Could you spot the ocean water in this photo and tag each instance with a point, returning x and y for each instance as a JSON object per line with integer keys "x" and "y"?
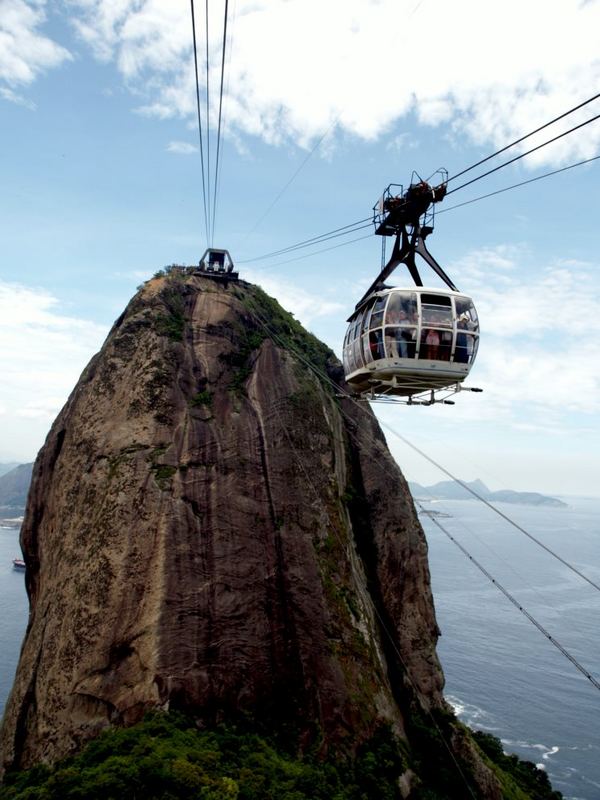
{"x": 502, "y": 674}
{"x": 13, "y": 610}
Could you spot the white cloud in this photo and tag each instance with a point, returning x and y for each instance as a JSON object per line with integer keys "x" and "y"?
{"x": 524, "y": 300}
{"x": 42, "y": 353}
{"x": 300, "y": 66}
{"x": 537, "y": 360}
{"x": 402, "y": 142}
{"x": 24, "y": 51}
{"x": 181, "y": 148}
{"x": 17, "y": 99}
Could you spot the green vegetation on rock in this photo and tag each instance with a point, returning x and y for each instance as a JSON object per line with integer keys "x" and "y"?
{"x": 203, "y": 398}
{"x": 166, "y": 757}
{"x": 172, "y": 323}
{"x": 239, "y": 360}
{"x": 288, "y": 332}
{"x": 163, "y": 474}
{"x": 530, "y": 781}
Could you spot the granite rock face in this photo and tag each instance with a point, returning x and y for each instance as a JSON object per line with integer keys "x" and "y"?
{"x": 210, "y": 528}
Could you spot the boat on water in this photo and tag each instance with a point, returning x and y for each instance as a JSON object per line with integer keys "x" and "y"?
{"x": 18, "y": 563}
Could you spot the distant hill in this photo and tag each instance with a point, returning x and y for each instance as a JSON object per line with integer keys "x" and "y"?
{"x": 7, "y": 467}
{"x": 14, "y": 486}
{"x": 451, "y": 490}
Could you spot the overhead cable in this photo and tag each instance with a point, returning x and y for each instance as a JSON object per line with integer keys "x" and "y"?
{"x": 490, "y": 505}
{"x": 231, "y": 30}
{"x": 325, "y": 237}
{"x": 289, "y": 182}
{"x": 344, "y": 230}
{"x": 208, "y": 119}
{"x": 309, "y": 155}
{"x": 522, "y": 138}
{"x": 323, "y": 250}
{"x": 199, "y": 121}
{"x": 306, "y": 242}
{"x": 217, "y": 163}
{"x": 517, "y": 605}
{"x": 516, "y": 185}
{"x": 526, "y": 153}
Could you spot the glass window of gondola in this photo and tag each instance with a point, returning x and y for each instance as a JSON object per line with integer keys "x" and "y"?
{"x": 445, "y": 350}
{"x": 375, "y": 350}
{"x": 402, "y": 309}
{"x": 350, "y": 363}
{"x": 366, "y": 348}
{"x": 376, "y": 320}
{"x": 364, "y": 334}
{"x": 400, "y": 342}
{"x": 435, "y": 345}
{"x": 356, "y": 325}
{"x": 436, "y": 311}
{"x": 466, "y": 316}
{"x": 466, "y": 347}
{"x": 401, "y": 318}
{"x": 365, "y": 320}
{"x": 357, "y": 353}
{"x": 430, "y": 344}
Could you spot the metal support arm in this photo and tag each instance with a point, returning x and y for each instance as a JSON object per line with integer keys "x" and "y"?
{"x": 405, "y": 247}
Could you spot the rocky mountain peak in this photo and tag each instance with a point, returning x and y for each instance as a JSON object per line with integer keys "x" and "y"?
{"x": 212, "y": 528}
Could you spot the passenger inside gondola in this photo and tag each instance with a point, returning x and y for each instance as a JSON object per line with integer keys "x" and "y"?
{"x": 376, "y": 345}
{"x": 430, "y": 344}
{"x": 445, "y": 348}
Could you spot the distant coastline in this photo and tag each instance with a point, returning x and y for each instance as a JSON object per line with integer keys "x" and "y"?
{"x": 14, "y": 486}
{"x": 451, "y": 490}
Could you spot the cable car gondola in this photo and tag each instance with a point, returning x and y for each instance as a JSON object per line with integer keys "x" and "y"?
{"x": 416, "y": 344}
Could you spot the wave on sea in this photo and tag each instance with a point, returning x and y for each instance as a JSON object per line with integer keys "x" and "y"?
{"x": 563, "y": 775}
{"x": 480, "y": 719}
{"x": 472, "y": 715}
{"x": 547, "y": 752}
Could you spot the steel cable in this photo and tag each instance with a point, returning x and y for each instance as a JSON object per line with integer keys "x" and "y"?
{"x": 217, "y": 163}
{"x": 307, "y": 242}
{"x": 522, "y": 138}
{"x": 526, "y": 153}
{"x": 517, "y": 605}
{"x": 289, "y": 182}
{"x": 199, "y": 120}
{"x": 516, "y": 185}
{"x": 208, "y": 118}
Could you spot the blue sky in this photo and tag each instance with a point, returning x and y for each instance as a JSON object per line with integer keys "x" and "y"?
{"x": 101, "y": 187}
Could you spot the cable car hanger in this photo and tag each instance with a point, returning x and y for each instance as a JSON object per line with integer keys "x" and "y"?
{"x": 409, "y": 217}
{"x": 413, "y": 345}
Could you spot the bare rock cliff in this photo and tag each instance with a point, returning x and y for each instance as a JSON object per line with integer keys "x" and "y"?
{"x": 211, "y": 528}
